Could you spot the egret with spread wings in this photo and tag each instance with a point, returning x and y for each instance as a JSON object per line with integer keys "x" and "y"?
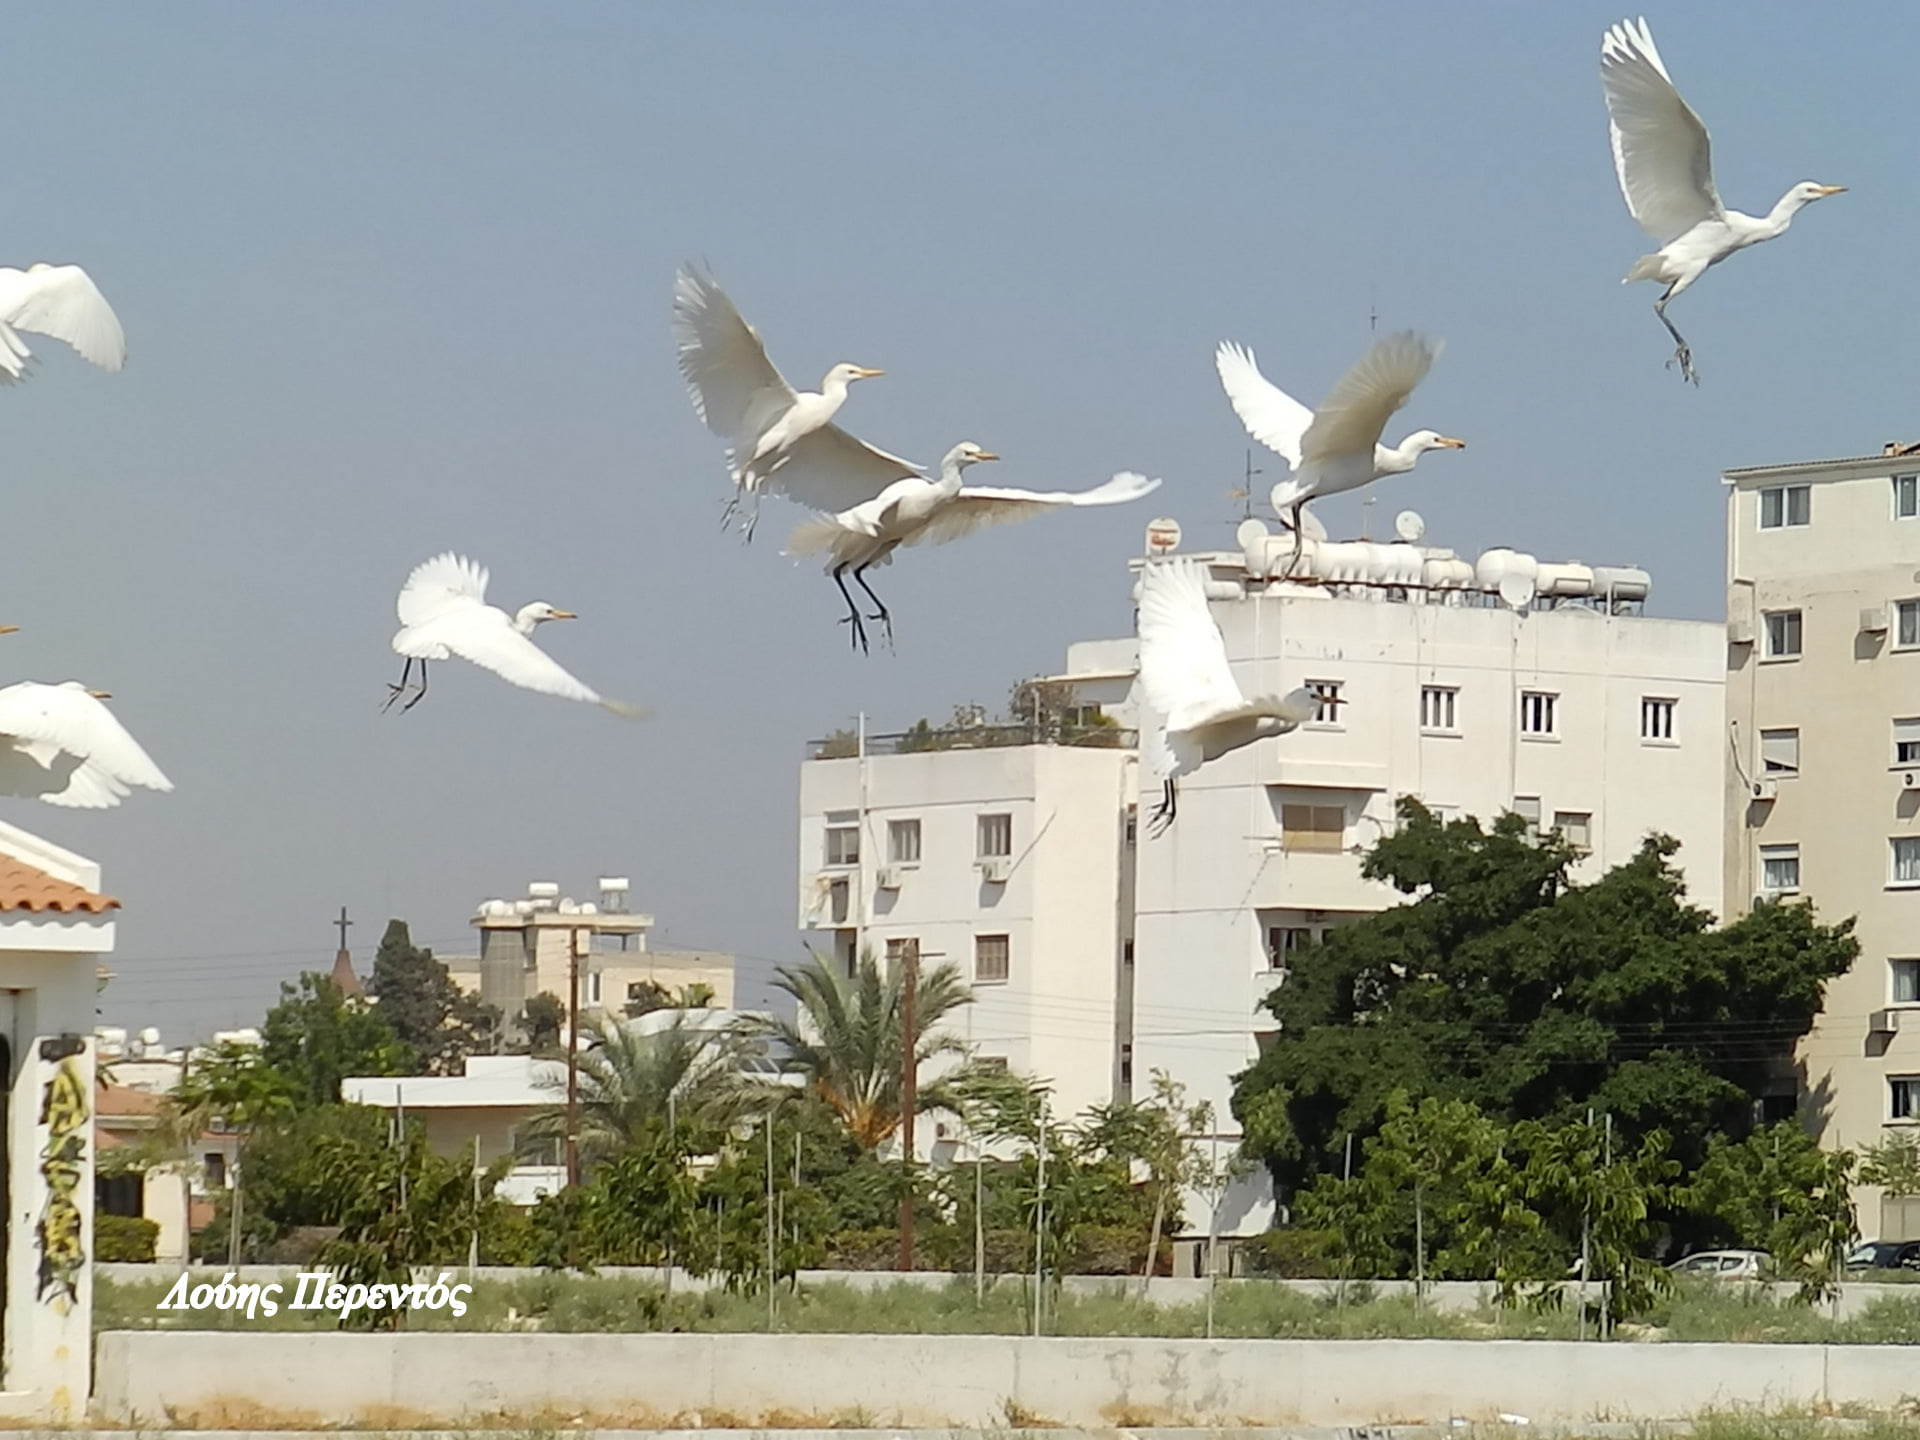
{"x": 60, "y": 744}
{"x": 909, "y": 509}
{"x": 1664, "y": 160}
{"x": 61, "y": 301}
{"x": 443, "y": 613}
{"x": 1336, "y": 447}
{"x": 741, "y": 396}
{"x": 1190, "y": 696}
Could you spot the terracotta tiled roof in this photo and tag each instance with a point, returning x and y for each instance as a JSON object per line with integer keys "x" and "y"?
{"x": 115, "y": 1100}
{"x": 24, "y": 888}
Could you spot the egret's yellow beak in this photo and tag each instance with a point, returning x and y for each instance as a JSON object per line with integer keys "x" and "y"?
{"x": 986, "y": 455}
{"x": 563, "y": 615}
{"x": 101, "y": 694}
{"x": 9, "y": 629}
{"x": 865, "y": 374}
{"x": 1830, "y": 189}
{"x": 1447, "y": 442}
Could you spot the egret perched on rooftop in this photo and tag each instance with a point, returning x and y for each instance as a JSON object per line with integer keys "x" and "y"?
{"x": 443, "y": 612}
{"x": 1336, "y": 447}
{"x": 60, "y": 744}
{"x": 1665, "y": 163}
{"x": 741, "y": 396}
{"x": 1188, "y": 686}
{"x": 61, "y": 301}
{"x": 909, "y": 509}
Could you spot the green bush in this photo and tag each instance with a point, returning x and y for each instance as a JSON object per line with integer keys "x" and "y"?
{"x": 1298, "y": 1253}
{"x": 124, "y": 1238}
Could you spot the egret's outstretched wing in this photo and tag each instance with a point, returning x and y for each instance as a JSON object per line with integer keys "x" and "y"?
{"x": 1660, "y": 149}
{"x": 1184, "y": 675}
{"x": 1349, "y": 421}
{"x": 61, "y": 301}
{"x": 47, "y": 720}
{"x": 735, "y": 388}
{"x": 1271, "y": 416}
{"x": 440, "y": 586}
{"x": 977, "y": 506}
{"x": 493, "y": 644}
{"x": 828, "y": 469}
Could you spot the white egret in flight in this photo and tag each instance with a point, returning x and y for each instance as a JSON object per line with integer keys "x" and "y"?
{"x": 741, "y": 396}
{"x": 1188, "y": 686}
{"x": 61, "y": 301}
{"x": 1336, "y": 447}
{"x": 443, "y": 612}
{"x": 1665, "y": 163}
{"x": 909, "y": 509}
{"x": 59, "y": 744}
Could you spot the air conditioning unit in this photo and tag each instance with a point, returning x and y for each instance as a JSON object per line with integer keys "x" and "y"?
{"x": 890, "y": 877}
{"x": 1740, "y": 632}
{"x": 996, "y": 869}
{"x": 1906, "y": 780}
{"x": 1883, "y": 1022}
{"x": 1765, "y": 788}
{"x": 1873, "y": 620}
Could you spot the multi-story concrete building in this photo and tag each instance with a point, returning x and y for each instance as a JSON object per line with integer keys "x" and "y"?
{"x": 1823, "y": 705}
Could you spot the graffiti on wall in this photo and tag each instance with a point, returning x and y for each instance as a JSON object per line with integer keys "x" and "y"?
{"x": 63, "y": 1252}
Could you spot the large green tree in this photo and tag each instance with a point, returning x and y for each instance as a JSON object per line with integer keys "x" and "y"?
{"x": 316, "y": 1037}
{"x": 437, "y": 1021}
{"x": 1506, "y": 985}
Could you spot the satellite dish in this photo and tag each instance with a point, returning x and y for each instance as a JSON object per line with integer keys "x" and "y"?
{"x": 1250, "y": 533}
{"x": 1163, "y": 535}
{"x": 1409, "y": 526}
{"x": 1517, "y": 591}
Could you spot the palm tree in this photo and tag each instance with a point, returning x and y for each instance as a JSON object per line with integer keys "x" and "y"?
{"x": 847, "y": 1038}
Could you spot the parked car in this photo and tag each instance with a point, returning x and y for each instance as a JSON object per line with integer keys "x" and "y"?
{"x": 1885, "y": 1255}
{"x": 1724, "y": 1265}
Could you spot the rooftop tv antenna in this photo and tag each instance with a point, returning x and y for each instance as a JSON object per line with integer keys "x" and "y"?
{"x": 1244, "y": 491}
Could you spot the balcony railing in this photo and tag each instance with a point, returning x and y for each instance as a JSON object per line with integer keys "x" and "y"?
{"x": 925, "y": 738}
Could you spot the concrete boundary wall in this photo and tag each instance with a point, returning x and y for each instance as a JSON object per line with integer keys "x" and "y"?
{"x": 213, "y": 1377}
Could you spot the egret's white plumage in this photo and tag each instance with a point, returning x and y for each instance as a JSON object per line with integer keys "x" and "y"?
{"x": 1664, "y": 161}
{"x": 60, "y": 744}
{"x": 1336, "y": 447}
{"x": 913, "y": 510}
{"x": 1192, "y": 702}
{"x": 744, "y": 400}
{"x": 61, "y": 301}
{"x": 443, "y": 613}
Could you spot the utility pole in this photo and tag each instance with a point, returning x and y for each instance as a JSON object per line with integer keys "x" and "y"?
{"x": 573, "y": 1058}
{"x": 1040, "y": 1220}
{"x": 770, "y": 1222}
{"x": 909, "y": 1093}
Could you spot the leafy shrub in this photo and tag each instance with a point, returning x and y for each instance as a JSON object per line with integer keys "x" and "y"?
{"x": 124, "y": 1238}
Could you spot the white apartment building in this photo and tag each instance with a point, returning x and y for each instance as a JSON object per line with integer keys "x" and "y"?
{"x": 1105, "y": 953}
{"x": 1823, "y": 704}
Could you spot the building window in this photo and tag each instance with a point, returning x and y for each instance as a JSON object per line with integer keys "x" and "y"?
{"x": 1575, "y": 827}
{"x": 1656, "y": 717}
{"x": 1906, "y": 860}
{"x": 1437, "y": 707}
{"x": 1126, "y": 1064}
{"x": 1537, "y": 712}
{"x": 1906, "y": 628}
{"x": 903, "y": 842}
{"x": 1779, "y": 869}
{"x": 843, "y": 837}
{"x": 990, "y": 959}
{"x": 1906, "y": 742}
{"x": 1319, "y": 828}
{"x": 215, "y": 1165}
{"x": 1527, "y": 807}
{"x": 1906, "y": 981}
{"x": 1779, "y": 752}
{"x": 996, "y": 835}
{"x": 839, "y": 903}
{"x": 1903, "y": 1093}
{"x": 1133, "y": 825}
{"x": 1126, "y": 952}
{"x": 1783, "y": 634}
{"x": 1782, "y": 505}
{"x": 1328, "y": 712}
{"x": 593, "y": 987}
{"x": 1283, "y": 941}
{"x": 901, "y": 949}
{"x": 1906, "y": 496}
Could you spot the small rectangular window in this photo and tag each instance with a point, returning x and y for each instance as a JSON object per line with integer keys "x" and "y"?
{"x": 1903, "y": 1096}
{"x": 1782, "y": 505}
{"x": 1656, "y": 717}
{"x": 991, "y": 964}
{"x": 839, "y": 903}
{"x": 1126, "y": 1064}
{"x": 1437, "y": 706}
{"x": 1906, "y": 496}
{"x": 1906, "y": 633}
{"x": 1905, "y": 975}
{"x": 1537, "y": 712}
{"x": 843, "y": 845}
{"x": 1575, "y": 827}
{"x": 903, "y": 842}
{"x": 1783, "y": 633}
{"x": 215, "y": 1164}
{"x": 1527, "y": 807}
{"x": 901, "y": 949}
{"x": 1906, "y": 860}
{"x": 1780, "y": 869}
{"x": 1319, "y": 828}
{"x": 996, "y": 835}
{"x": 1283, "y": 941}
{"x": 1328, "y": 712}
{"x": 1779, "y": 752}
{"x": 1906, "y": 742}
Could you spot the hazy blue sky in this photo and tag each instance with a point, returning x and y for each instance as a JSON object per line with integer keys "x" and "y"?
{"x": 396, "y": 278}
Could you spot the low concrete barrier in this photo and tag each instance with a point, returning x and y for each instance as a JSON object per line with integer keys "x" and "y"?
{"x": 223, "y": 1378}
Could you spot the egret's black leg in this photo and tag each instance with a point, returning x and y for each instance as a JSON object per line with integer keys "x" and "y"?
{"x": 1299, "y": 536}
{"x": 1163, "y": 813}
{"x": 753, "y": 519}
{"x": 394, "y": 692}
{"x": 880, "y": 608}
{"x": 423, "y": 690}
{"x": 852, "y": 617}
{"x": 1683, "y": 353}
